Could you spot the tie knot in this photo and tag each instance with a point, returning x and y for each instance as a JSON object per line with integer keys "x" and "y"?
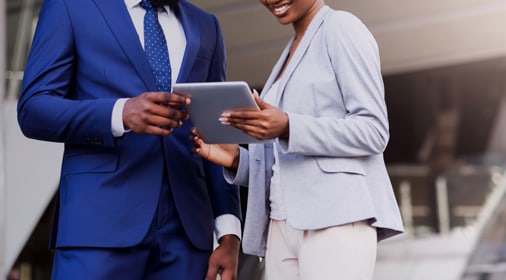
{"x": 146, "y": 4}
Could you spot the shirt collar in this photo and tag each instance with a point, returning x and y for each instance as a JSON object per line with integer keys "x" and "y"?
{"x": 133, "y": 3}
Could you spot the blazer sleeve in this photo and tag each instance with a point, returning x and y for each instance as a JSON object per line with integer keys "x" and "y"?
{"x": 363, "y": 131}
{"x": 46, "y": 108}
{"x": 241, "y": 175}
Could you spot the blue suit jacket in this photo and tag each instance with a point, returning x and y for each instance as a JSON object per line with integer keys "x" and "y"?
{"x": 85, "y": 55}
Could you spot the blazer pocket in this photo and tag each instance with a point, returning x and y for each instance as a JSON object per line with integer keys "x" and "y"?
{"x": 345, "y": 165}
{"x": 90, "y": 163}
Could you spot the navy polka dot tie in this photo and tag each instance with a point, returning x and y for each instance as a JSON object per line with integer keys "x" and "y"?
{"x": 155, "y": 47}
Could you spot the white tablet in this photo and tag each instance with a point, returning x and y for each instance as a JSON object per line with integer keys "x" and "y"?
{"x": 209, "y": 101}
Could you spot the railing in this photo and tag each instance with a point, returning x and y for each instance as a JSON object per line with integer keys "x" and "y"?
{"x": 437, "y": 204}
{"x": 444, "y": 216}
{"x": 488, "y": 259}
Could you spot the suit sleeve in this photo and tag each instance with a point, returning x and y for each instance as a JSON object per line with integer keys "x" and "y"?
{"x": 217, "y": 71}
{"x": 46, "y": 108}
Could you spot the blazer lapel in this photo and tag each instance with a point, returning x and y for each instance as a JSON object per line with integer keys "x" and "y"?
{"x": 300, "y": 51}
{"x": 117, "y": 17}
{"x": 277, "y": 68}
{"x": 192, "y": 33}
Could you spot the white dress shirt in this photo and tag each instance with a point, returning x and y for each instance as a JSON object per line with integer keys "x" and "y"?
{"x": 277, "y": 204}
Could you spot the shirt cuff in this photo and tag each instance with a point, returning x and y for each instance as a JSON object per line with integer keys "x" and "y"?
{"x": 227, "y": 224}
{"x": 117, "y": 127}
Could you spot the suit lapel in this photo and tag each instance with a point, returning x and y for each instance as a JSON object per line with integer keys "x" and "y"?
{"x": 299, "y": 52}
{"x": 117, "y": 17}
{"x": 192, "y": 33}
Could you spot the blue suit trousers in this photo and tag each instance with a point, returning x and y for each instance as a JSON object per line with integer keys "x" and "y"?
{"x": 165, "y": 253}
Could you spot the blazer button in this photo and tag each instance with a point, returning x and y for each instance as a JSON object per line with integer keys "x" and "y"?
{"x": 95, "y": 140}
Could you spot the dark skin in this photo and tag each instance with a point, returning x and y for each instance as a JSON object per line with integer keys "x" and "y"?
{"x": 154, "y": 113}
{"x": 268, "y": 123}
{"x": 159, "y": 113}
{"x": 224, "y": 259}
{"x": 271, "y": 122}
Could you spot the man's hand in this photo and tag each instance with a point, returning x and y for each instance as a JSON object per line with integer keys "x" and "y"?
{"x": 155, "y": 113}
{"x": 224, "y": 259}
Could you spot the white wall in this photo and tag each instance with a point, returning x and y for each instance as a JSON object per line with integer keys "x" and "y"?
{"x": 2, "y": 165}
{"x": 32, "y": 173}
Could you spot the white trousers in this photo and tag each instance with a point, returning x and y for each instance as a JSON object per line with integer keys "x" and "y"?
{"x": 346, "y": 252}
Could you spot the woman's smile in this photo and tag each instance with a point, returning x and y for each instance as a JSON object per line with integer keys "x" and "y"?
{"x": 280, "y": 10}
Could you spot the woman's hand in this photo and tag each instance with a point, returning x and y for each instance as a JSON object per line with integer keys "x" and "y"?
{"x": 268, "y": 123}
{"x": 226, "y": 155}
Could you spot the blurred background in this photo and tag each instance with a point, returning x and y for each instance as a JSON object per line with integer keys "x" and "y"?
{"x": 444, "y": 68}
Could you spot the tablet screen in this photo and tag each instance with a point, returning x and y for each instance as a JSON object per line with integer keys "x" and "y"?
{"x": 209, "y": 101}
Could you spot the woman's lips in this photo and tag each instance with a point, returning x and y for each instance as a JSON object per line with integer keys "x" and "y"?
{"x": 280, "y": 10}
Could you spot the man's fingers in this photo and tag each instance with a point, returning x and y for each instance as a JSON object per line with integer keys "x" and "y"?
{"x": 155, "y": 125}
{"x": 169, "y": 113}
{"x": 167, "y": 98}
{"x": 175, "y": 98}
{"x": 228, "y": 274}
{"x": 147, "y": 114}
{"x": 156, "y": 130}
{"x": 163, "y": 121}
{"x": 212, "y": 272}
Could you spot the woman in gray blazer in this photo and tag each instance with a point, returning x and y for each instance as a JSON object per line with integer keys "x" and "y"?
{"x": 319, "y": 195}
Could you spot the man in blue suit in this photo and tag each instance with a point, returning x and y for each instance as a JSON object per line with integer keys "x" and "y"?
{"x": 134, "y": 202}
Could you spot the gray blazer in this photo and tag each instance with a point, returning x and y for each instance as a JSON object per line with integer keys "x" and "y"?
{"x": 332, "y": 170}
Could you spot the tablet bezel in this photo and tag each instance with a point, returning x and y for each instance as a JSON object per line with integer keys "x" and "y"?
{"x": 209, "y": 101}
